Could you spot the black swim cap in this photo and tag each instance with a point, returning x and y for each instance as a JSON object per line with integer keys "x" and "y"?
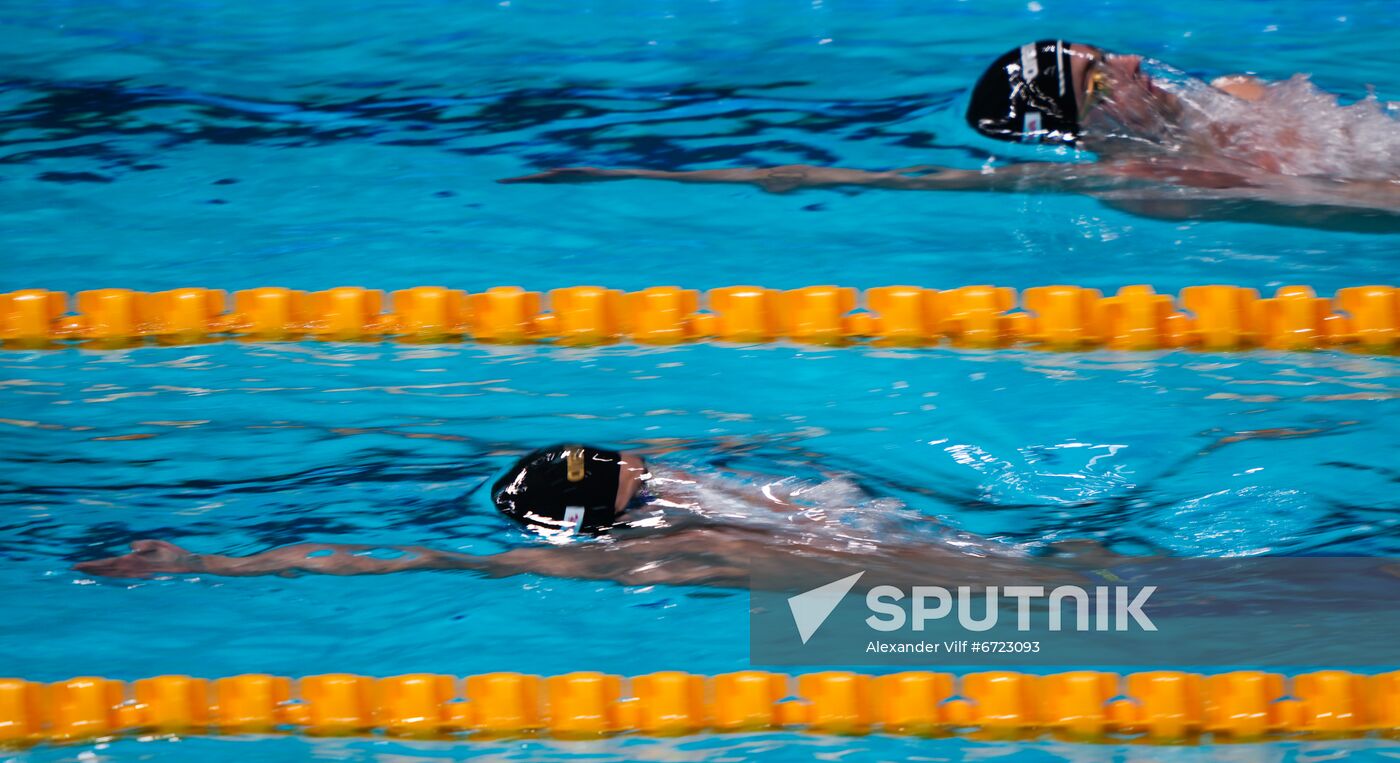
{"x": 1028, "y": 95}
{"x": 564, "y": 488}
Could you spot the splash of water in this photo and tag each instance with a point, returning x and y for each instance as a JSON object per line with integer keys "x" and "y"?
{"x": 1298, "y": 129}
{"x": 834, "y": 512}
{"x": 1293, "y": 129}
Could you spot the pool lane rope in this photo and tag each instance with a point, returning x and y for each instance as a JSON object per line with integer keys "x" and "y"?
{"x": 1212, "y": 317}
{"x": 1158, "y": 706}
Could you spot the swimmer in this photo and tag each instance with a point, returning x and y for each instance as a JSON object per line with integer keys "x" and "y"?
{"x": 1168, "y": 147}
{"x": 607, "y": 515}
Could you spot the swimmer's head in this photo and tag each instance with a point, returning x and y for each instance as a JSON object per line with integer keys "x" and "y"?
{"x": 1035, "y": 93}
{"x": 569, "y": 489}
{"x": 1049, "y": 91}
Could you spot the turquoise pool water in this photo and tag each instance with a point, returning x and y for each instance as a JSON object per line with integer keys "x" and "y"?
{"x": 235, "y": 145}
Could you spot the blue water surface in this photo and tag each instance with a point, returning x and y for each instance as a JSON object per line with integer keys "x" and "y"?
{"x": 314, "y": 144}
{"x": 244, "y": 144}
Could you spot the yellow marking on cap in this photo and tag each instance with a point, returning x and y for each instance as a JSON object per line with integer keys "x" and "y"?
{"x": 573, "y": 459}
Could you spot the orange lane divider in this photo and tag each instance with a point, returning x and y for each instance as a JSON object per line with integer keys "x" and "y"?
{"x": 1051, "y": 317}
{"x": 1158, "y": 706}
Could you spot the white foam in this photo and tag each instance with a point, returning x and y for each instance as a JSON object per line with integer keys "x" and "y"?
{"x": 831, "y": 513}
{"x": 1294, "y": 129}
{"x": 1305, "y": 130}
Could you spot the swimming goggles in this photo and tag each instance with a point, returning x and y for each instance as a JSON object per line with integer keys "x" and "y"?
{"x": 1097, "y": 84}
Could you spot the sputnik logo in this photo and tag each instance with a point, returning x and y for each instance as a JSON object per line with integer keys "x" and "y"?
{"x": 811, "y": 608}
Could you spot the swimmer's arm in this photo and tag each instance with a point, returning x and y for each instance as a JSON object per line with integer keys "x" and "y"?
{"x": 1083, "y": 177}
{"x": 791, "y": 177}
{"x": 1064, "y": 177}
{"x": 661, "y": 560}
{"x": 148, "y": 557}
{"x": 337, "y": 559}
{"x": 690, "y": 557}
{"x": 772, "y": 179}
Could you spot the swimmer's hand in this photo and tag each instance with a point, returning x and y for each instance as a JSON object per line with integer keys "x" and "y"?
{"x": 146, "y": 558}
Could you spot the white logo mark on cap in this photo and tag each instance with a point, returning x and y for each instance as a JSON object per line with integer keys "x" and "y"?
{"x": 1030, "y": 68}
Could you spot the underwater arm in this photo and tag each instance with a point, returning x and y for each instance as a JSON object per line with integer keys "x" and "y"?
{"x": 660, "y": 560}
{"x": 688, "y": 557}
{"x": 154, "y": 556}
{"x": 1081, "y": 177}
{"x": 772, "y": 179}
{"x": 791, "y": 177}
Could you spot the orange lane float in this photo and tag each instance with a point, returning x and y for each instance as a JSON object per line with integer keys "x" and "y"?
{"x": 1157, "y": 706}
{"x": 1060, "y": 317}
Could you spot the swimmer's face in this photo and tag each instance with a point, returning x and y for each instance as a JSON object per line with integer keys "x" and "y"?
{"x": 630, "y": 479}
{"x": 1115, "y": 96}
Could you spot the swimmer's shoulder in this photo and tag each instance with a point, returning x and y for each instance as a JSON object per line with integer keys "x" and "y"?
{"x": 1242, "y": 86}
